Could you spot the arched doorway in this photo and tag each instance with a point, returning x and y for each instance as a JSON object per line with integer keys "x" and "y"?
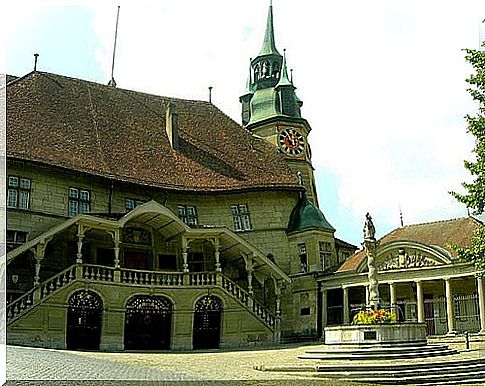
{"x": 84, "y": 313}
{"x": 148, "y": 323}
{"x": 207, "y": 323}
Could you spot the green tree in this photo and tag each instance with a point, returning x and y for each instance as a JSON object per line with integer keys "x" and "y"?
{"x": 474, "y": 199}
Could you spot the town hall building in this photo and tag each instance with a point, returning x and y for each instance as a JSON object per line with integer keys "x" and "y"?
{"x": 143, "y": 222}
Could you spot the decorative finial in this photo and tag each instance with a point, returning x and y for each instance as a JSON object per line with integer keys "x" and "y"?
{"x": 35, "y": 61}
{"x": 210, "y": 94}
{"x": 291, "y": 75}
{"x": 400, "y": 216}
{"x": 369, "y": 229}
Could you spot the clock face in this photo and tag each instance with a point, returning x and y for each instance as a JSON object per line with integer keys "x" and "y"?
{"x": 291, "y": 141}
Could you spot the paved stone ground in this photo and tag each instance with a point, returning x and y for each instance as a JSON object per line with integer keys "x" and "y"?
{"x": 27, "y": 366}
{"x": 36, "y": 366}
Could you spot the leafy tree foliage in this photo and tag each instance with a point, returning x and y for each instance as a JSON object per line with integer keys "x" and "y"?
{"x": 474, "y": 199}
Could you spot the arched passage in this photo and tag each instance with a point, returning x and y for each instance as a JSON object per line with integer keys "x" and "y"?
{"x": 207, "y": 323}
{"x": 148, "y": 323}
{"x": 84, "y": 314}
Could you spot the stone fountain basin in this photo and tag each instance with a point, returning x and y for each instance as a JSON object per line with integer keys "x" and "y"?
{"x": 377, "y": 334}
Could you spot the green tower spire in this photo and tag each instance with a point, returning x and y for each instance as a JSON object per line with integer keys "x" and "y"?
{"x": 269, "y": 46}
{"x": 284, "y": 79}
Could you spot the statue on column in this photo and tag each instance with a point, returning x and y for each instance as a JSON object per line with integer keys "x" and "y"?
{"x": 370, "y": 246}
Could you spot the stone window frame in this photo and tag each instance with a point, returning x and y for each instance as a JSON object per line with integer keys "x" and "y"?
{"x": 188, "y": 214}
{"x": 241, "y": 219}
{"x": 79, "y": 201}
{"x": 18, "y": 192}
{"x": 325, "y": 252}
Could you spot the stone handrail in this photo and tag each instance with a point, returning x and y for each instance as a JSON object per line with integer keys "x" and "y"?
{"x": 202, "y": 278}
{"x": 252, "y": 304}
{"x": 45, "y": 289}
{"x": 138, "y": 277}
{"x": 235, "y": 290}
{"x": 98, "y": 273}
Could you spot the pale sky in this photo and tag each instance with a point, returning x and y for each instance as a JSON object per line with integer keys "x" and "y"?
{"x": 382, "y": 82}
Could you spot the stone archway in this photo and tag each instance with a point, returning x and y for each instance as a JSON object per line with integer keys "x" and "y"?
{"x": 84, "y": 315}
{"x": 148, "y": 323}
{"x": 207, "y": 323}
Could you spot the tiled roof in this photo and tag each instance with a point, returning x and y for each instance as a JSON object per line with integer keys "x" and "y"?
{"x": 9, "y": 78}
{"x": 440, "y": 233}
{"x": 117, "y": 133}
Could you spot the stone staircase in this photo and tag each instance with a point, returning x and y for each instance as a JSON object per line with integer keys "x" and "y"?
{"x": 379, "y": 352}
{"x": 109, "y": 275}
{"x": 424, "y": 365}
{"x": 466, "y": 371}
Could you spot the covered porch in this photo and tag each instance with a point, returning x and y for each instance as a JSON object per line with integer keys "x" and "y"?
{"x": 146, "y": 251}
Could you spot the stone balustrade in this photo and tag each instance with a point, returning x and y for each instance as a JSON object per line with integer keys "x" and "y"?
{"x": 132, "y": 277}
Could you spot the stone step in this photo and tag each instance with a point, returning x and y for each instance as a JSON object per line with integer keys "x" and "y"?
{"x": 397, "y": 374}
{"x": 381, "y": 356}
{"x": 400, "y": 366}
{"x": 453, "y": 378}
{"x": 378, "y": 350}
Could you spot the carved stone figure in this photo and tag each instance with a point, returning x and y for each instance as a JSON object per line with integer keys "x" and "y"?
{"x": 369, "y": 229}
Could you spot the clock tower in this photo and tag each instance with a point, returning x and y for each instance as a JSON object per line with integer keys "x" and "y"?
{"x": 271, "y": 109}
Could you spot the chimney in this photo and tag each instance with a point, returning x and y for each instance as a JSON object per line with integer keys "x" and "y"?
{"x": 172, "y": 126}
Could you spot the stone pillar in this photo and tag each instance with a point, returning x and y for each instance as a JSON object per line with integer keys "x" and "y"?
{"x": 250, "y": 282}
{"x": 277, "y": 291}
{"x": 217, "y": 254}
{"x": 420, "y": 300}
{"x": 370, "y": 246}
{"x": 39, "y": 253}
{"x": 345, "y": 303}
{"x": 324, "y": 311}
{"x": 116, "y": 242}
{"x": 393, "y": 296}
{"x": 185, "y": 254}
{"x": 481, "y": 303}
{"x": 249, "y": 262}
{"x": 450, "y": 308}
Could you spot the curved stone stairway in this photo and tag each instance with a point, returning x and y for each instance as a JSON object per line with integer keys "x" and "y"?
{"x": 379, "y": 352}
{"x": 405, "y": 365}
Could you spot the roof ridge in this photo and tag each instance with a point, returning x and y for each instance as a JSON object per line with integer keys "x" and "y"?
{"x": 433, "y": 222}
{"x": 109, "y": 87}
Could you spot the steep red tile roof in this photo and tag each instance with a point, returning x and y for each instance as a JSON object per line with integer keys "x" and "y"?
{"x": 440, "y": 233}
{"x": 112, "y": 132}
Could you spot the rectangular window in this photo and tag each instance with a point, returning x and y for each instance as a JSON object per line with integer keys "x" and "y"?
{"x": 303, "y": 258}
{"x": 79, "y": 201}
{"x": 18, "y": 195}
{"x": 325, "y": 254}
{"x": 15, "y": 239}
{"x": 131, "y": 203}
{"x": 188, "y": 214}
{"x": 240, "y": 217}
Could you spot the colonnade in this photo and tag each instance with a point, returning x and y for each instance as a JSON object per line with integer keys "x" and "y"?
{"x": 419, "y": 298}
